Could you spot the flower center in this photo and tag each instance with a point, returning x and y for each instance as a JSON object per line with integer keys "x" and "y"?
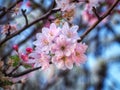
{"x": 63, "y": 48}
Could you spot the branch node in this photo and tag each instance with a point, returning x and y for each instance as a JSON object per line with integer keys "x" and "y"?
{"x": 96, "y": 14}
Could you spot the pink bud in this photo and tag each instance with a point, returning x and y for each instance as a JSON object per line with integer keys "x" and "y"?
{"x": 24, "y": 57}
{"x": 29, "y": 50}
{"x": 28, "y": 3}
{"x": 15, "y": 47}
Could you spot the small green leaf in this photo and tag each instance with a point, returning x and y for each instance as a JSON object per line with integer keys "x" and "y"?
{"x": 58, "y": 14}
{"x": 15, "y": 59}
{"x": 27, "y": 66}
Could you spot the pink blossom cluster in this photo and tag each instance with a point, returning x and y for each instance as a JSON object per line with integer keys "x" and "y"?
{"x": 64, "y": 5}
{"x": 8, "y": 28}
{"x": 59, "y": 46}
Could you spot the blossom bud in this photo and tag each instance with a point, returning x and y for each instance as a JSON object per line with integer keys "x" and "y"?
{"x": 29, "y": 50}
{"x": 15, "y": 47}
{"x": 24, "y": 57}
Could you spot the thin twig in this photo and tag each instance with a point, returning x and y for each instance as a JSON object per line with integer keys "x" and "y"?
{"x": 24, "y": 72}
{"x": 9, "y": 9}
{"x": 98, "y": 21}
{"x": 15, "y": 69}
{"x": 25, "y": 16}
{"x": 95, "y": 12}
{"x": 29, "y": 25}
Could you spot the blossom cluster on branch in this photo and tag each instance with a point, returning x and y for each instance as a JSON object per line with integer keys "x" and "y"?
{"x": 59, "y": 43}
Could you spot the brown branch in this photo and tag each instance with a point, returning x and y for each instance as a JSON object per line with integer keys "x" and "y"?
{"x": 98, "y": 21}
{"x": 9, "y": 9}
{"x": 15, "y": 69}
{"x": 25, "y": 16}
{"x": 24, "y": 72}
{"x": 95, "y": 12}
{"x": 29, "y": 25}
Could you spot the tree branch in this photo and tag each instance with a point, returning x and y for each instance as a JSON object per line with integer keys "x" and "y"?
{"x": 29, "y": 25}
{"x": 24, "y": 72}
{"x": 7, "y": 10}
{"x": 25, "y": 16}
{"x": 98, "y": 21}
{"x": 95, "y": 12}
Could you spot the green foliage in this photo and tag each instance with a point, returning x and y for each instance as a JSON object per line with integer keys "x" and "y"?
{"x": 27, "y": 66}
{"x": 15, "y": 60}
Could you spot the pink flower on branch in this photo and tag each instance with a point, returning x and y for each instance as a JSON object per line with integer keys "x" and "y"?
{"x": 37, "y": 59}
{"x": 79, "y": 54}
{"x": 57, "y": 45}
{"x": 8, "y": 28}
{"x": 63, "y": 46}
{"x": 64, "y": 5}
{"x": 63, "y": 62}
{"x": 70, "y": 32}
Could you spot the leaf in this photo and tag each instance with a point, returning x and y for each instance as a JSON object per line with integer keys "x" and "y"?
{"x": 27, "y": 66}
{"x": 15, "y": 59}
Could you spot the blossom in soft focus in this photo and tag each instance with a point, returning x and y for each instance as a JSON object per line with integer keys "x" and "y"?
{"x": 24, "y": 57}
{"x": 8, "y": 28}
{"x": 92, "y": 3}
{"x": 64, "y": 5}
{"x": 79, "y": 54}
{"x": 88, "y": 18}
{"x": 15, "y": 47}
{"x": 16, "y": 8}
{"x": 39, "y": 59}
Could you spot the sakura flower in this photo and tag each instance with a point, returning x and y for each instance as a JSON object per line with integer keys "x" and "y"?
{"x": 78, "y": 55}
{"x": 8, "y": 28}
{"x": 43, "y": 42}
{"x": 92, "y": 3}
{"x": 63, "y": 62}
{"x": 70, "y": 32}
{"x": 38, "y": 60}
{"x": 88, "y": 18}
{"x": 64, "y": 5}
{"x": 17, "y": 7}
{"x": 51, "y": 32}
{"x": 63, "y": 46}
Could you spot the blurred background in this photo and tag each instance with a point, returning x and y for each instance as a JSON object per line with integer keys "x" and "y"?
{"x": 101, "y": 71}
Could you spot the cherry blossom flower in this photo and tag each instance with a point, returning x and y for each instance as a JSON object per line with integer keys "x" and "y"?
{"x": 64, "y": 5}
{"x": 8, "y": 28}
{"x": 92, "y": 3}
{"x": 70, "y": 32}
{"x": 78, "y": 55}
{"x": 88, "y": 18}
{"x": 52, "y": 31}
{"x": 63, "y": 62}
{"x": 58, "y": 44}
{"x": 37, "y": 60}
{"x": 63, "y": 46}
{"x": 43, "y": 42}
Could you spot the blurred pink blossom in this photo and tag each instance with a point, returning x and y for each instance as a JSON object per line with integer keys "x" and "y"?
{"x": 8, "y": 28}
{"x": 64, "y": 5}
